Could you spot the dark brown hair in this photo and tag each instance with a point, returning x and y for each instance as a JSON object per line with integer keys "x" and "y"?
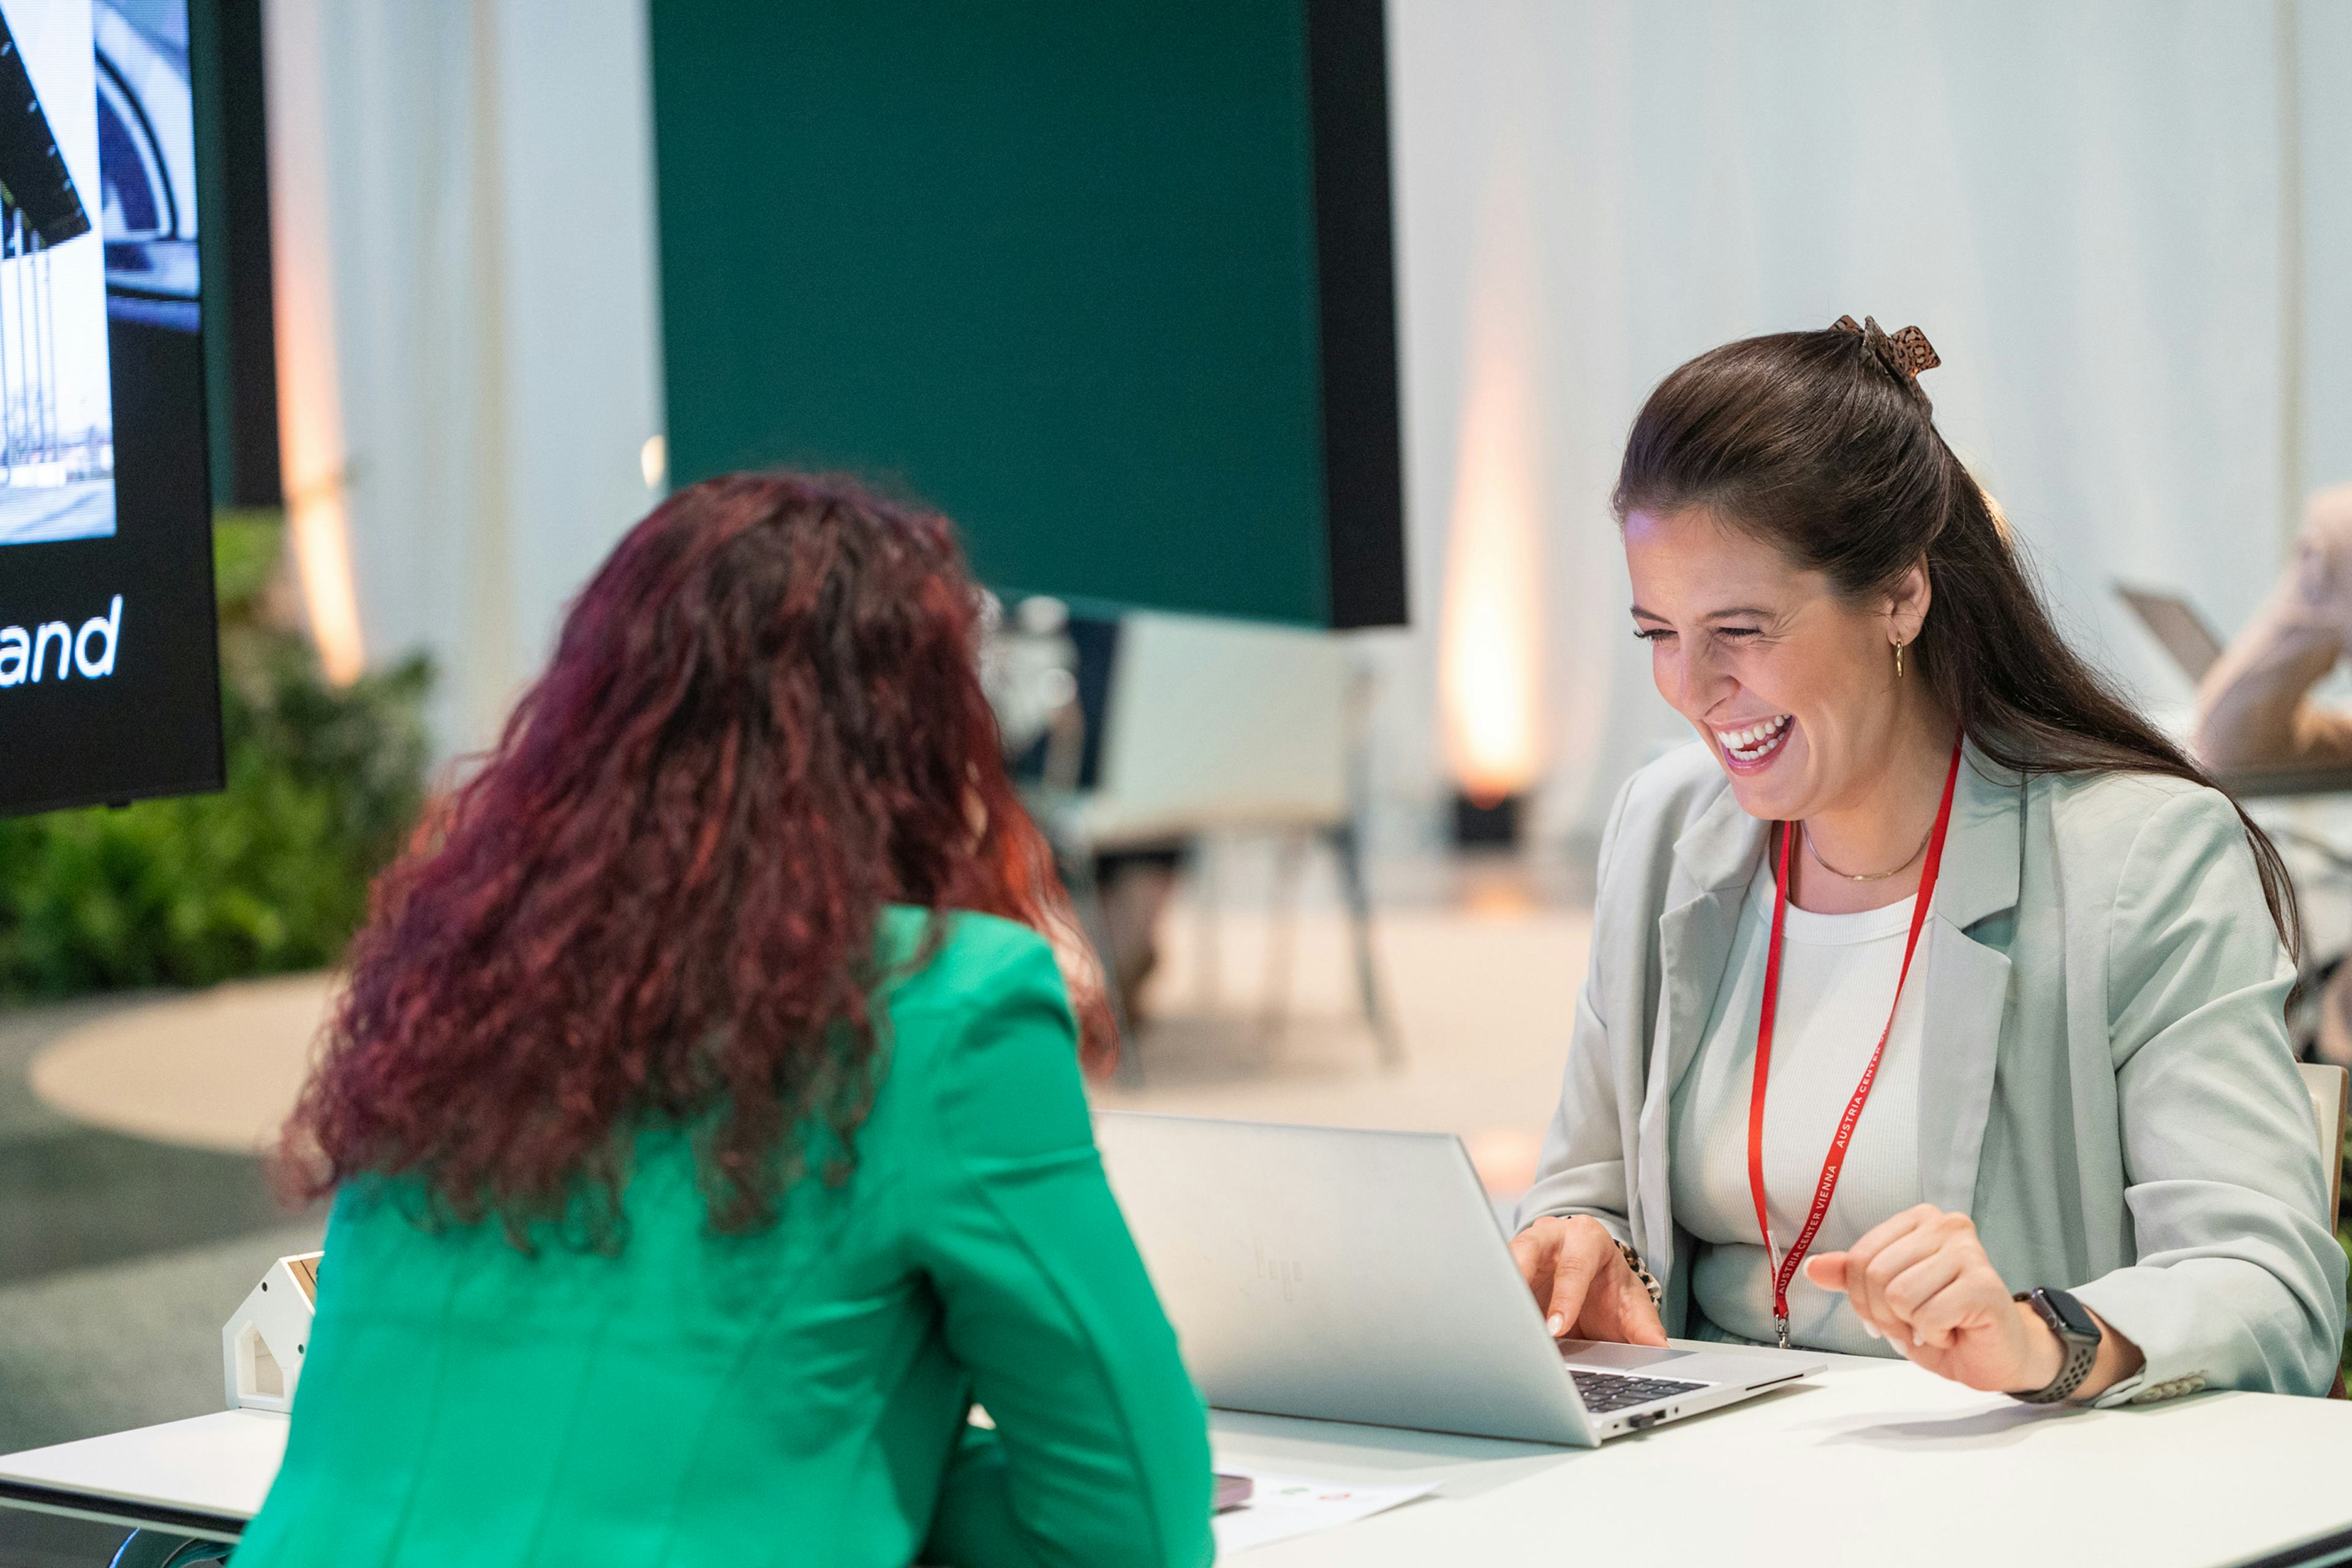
{"x": 1813, "y": 443}
{"x": 657, "y": 898}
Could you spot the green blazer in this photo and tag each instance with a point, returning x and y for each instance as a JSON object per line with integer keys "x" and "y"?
{"x": 795, "y": 1397}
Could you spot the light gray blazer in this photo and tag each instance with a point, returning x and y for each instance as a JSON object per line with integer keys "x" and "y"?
{"x": 2106, "y": 1085}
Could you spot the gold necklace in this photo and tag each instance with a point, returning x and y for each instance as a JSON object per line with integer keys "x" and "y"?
{"x": 1867, "y": 875}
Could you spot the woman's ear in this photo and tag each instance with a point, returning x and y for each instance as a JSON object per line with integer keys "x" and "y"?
{"x": 1906, "y": 607}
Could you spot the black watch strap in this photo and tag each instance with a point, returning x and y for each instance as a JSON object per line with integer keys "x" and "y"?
{"x": 2078, "y": 1336}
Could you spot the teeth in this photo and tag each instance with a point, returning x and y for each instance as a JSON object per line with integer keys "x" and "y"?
{"x": 1755, "y": 740}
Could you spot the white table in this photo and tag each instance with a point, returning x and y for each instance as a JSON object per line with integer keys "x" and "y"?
{"x": 1871, "y": 1462}
{"x": 205, "y": 1477}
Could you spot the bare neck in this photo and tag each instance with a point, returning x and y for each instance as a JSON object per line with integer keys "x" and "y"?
{"x": 1884, "y": 824}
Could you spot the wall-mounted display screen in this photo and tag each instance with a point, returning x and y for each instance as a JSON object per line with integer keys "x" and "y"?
{"x": 108, "y": 662}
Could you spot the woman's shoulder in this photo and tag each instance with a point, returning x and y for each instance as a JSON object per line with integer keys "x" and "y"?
{"x": 2109, "y": 813}
{"x": 2151, "y": 845}
{"x": 959, "y": 958}
{"x": 982, "y": 1035}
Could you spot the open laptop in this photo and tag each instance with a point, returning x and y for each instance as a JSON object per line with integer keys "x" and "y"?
{"x": 1356, "y": 1276}
{"x": 2174, "y": 624}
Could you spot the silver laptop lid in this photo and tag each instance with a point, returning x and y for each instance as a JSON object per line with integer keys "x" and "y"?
{"x": 2176, "y": 623}
{"x": 1341, "y": 1274}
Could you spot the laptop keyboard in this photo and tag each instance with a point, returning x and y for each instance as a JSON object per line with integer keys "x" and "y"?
{"x": 1604, "y": 1392}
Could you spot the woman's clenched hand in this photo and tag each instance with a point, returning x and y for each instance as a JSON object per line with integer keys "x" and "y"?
{"x": 1922, "y": 1282}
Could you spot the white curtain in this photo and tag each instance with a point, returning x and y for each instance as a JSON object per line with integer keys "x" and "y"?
{"x": 2123, "y": 225}
{"x": 462, "y": 198}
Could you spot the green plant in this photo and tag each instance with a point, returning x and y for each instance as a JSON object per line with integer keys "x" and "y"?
{"x": 268, "y": 876}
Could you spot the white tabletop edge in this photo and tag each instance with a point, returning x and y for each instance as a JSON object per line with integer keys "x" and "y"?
{"x": 2213, "y": 1479}
{"x": 219, "y": 1465}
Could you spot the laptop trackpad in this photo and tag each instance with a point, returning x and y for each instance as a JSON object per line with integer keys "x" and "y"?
{"x": 1616, "y": 1358}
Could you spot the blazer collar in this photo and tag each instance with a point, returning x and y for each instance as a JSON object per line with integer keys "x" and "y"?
{"x": 1723, "y": 845}
{"x": 1978, "y": 875}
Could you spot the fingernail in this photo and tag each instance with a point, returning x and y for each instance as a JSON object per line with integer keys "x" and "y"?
{"x": 1867, "y": 1329}
{"x": 1554, "y": 1326}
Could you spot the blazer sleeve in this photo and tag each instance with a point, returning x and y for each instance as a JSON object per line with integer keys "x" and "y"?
{"x": 1099, "y": 1454}
{"x": 1581, "y": 1170}
{"x": 2239, "y": 1283}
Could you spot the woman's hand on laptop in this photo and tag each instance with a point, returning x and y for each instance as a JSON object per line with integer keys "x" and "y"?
{"x": 1582, "y": 1281}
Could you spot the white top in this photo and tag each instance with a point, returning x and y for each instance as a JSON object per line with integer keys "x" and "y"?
{"x": 1837, "y": 981}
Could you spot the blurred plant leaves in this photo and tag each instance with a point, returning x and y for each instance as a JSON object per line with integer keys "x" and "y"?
{"x": 269, "y": 876}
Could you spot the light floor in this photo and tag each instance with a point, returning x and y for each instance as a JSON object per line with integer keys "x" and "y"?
{"x": 1250, "y": 1016}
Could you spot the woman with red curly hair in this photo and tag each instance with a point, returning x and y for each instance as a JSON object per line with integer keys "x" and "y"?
{"x": 704, "y": 1112}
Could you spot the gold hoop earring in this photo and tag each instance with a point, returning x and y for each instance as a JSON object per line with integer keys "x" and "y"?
{"x": 1898, "y": 658}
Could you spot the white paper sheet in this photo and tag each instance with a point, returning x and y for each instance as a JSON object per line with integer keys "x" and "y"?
{"x": 1285, "y": 1506}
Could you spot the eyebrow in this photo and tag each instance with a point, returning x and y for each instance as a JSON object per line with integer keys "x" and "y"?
{"x": 1736, "y": 612}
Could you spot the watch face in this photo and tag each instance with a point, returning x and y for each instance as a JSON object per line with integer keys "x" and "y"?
{"x": 2071, "y": 1313}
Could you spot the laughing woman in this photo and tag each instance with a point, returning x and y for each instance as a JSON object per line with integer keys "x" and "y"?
{"x": 1935, "y": 1000}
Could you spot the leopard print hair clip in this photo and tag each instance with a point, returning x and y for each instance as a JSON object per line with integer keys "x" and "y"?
{"x": 1906, "y": 354}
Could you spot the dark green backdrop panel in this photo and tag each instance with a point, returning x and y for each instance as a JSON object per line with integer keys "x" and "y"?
{"x": 1050, "y": 264}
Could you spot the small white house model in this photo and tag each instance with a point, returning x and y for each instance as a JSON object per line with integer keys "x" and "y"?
{"x": 264, "y": 1340}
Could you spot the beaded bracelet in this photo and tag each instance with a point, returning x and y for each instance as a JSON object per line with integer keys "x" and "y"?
{"x": 1641, "y": 1273}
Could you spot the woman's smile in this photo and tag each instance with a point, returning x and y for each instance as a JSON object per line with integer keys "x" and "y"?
{"x": 1751, "y": 747}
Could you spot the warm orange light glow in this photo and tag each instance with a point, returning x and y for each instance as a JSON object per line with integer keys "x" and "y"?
{"x": 309, "y": 403}
{"x": 322, "y": 562}
{"x": 1490, "y": 638}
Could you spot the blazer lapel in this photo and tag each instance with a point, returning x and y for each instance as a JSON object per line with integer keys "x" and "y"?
{"x": 1967, "y": 980}
{"x": 1717, "y": 855}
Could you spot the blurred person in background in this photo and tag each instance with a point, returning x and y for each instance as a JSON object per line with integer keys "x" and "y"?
{"x": 1050, "y": 677}
{"x": 1935, "y": 1005}
{"x": 2255, "y": 708}
{"x": 704, "y": 1113}
{"x": 1136, "y": 881}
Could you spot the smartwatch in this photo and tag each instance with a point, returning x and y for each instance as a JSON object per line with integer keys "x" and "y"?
{"x": 2078, "y": 1338}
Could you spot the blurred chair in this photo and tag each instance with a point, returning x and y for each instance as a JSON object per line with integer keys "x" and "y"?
{"x": 1216, "y": 726}
{"x": 2329, "y": 1088}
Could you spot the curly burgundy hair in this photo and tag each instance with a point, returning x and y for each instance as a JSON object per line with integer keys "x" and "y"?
{"x": 657, "y": 898}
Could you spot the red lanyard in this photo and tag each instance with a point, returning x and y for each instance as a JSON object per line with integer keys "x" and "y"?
{"x": 1786, "y": 1269}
